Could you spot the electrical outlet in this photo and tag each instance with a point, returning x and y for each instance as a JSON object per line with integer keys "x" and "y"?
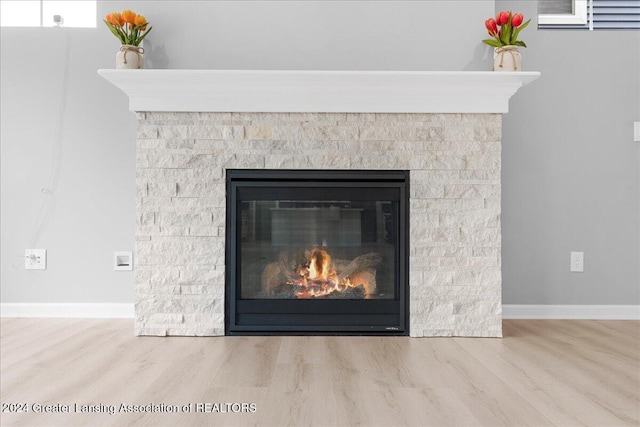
{"x": 123, "y": 261}
{"x": 35, "y": 259}
{"x": 577, "y": 262}
{"x": 636, "y": 131}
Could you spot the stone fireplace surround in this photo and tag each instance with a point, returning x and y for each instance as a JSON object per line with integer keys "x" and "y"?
{"x": 444, "y": 127}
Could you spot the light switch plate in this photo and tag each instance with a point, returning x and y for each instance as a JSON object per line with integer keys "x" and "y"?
{"x": 636, "y": 131}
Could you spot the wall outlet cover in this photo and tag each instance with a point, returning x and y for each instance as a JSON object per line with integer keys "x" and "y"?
{"x": 577, "y": 262}
{"x": 35, "y": 259}
{"x": 123, "y": 261}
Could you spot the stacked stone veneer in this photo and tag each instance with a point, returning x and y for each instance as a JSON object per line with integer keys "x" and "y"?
{"x": 455, "y": 238}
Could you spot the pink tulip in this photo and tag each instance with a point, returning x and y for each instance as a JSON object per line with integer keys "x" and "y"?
{"x": 503, "y": 17}
{"x": 517, "y": 20}
{"x": 491, "y": 25}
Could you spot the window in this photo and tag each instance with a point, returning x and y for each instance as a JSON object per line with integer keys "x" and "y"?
{"x": 589, "y": 14}
{"x": 562, "y": 12}
{"x": 48, "y": 13}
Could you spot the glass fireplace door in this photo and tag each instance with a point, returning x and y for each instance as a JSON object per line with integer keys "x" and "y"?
{"x": 316, "y": 251}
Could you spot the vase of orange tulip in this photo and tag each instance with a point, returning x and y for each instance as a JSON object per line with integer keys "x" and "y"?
{"x": 130, "y": 28}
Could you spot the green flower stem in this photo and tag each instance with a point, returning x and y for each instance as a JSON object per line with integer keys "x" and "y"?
{"x": 131, "y": 35}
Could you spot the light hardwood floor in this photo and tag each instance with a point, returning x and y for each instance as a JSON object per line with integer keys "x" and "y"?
{"x": 553, "y": 372}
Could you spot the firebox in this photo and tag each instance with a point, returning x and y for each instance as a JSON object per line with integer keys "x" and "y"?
{"x": 317, "y": 251}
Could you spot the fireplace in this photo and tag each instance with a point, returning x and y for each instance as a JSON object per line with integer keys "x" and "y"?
{"x": 316, "y": 251}
{"x": 196, "y": 128}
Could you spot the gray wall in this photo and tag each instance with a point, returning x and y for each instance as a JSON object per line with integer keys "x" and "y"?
{"x": 570, "y": 169}
{"x": 570, "y": 166}
{"x": 91, "y": 209}
{"x": 91, "y": 213}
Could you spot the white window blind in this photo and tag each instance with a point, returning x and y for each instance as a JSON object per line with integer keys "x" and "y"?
{"x": 601, "y": 14}
{"x": 616, "y": 14}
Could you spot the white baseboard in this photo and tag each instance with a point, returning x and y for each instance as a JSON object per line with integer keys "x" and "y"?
{"x": 595, "y": 312}
{"x": 509, "y": 311}
{"x": 70, "y": 310}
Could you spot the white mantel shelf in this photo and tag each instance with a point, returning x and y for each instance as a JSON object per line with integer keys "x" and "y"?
{"x": 319, "y": 91}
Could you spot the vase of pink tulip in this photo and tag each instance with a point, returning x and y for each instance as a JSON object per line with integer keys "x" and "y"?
{"x": 504, "y": 31}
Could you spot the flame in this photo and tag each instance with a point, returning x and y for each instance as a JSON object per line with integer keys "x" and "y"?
{"x": 319, "y": 265}
{"x": 319, "y": 278}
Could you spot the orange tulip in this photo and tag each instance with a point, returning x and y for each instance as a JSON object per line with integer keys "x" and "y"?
{"x": 111, "y": 20}
{"x": 139, "y": 20}
{"x": 114, "y": 19}
{"x": 129, "y": 16}
{"x": 118, "y": 17}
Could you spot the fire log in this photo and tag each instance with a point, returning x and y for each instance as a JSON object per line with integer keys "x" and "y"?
{"x": 360, "y": 272}
{"x": 362, "y": 263}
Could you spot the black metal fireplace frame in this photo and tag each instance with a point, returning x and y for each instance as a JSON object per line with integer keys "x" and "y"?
{"x": 304, "y": 317}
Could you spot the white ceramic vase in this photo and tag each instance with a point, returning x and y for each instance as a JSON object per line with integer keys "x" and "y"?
{"x": 507, "y": 58}
{"x": 129, "y": 57}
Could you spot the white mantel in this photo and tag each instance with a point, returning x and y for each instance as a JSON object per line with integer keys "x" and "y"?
{"x": 319, "y": 91}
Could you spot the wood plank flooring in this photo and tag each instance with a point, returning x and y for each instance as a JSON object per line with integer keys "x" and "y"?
{"x": 542, "y": 373}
